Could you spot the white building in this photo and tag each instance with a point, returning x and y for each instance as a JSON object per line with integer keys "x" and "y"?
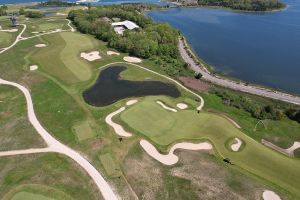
{"x": 120, "y": 27}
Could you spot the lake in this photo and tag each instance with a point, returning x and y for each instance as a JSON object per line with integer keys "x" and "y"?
{"x": 261, "y": 48}
{"x": 109, "y": 88}
{"x": 101, "y": 2}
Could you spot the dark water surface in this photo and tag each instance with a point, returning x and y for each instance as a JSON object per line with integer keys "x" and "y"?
{"x": 109, "y": 88}
{"x": 262, "y": 48}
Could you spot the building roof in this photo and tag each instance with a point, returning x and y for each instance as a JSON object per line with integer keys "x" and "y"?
{"x": 128, "y": 24}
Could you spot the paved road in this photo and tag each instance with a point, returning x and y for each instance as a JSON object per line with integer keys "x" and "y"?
{"x": 54, "y": 145}
{"x": 235, "y": 85}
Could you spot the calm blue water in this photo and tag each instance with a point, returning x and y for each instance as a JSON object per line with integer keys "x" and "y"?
{"x": 260, "y": 48}
{"x": 101, "y": 2}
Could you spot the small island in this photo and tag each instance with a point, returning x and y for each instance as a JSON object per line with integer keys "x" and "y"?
{"x": 245, "y": 5}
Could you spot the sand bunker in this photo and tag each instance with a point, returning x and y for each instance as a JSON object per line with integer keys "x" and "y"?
{"x": 61, "y": 14}
{"x": 131, "y": 102}
{"x": 40, "y": 45}
{"x": 117, "y": 128}
{"x": 92, "y": 56}
{"x": 236, "y": 146}
{"x": 166, "y": 107}
{"x": 35, "y": 32}
{"x": 10, "y": 30}
{"x": 33, "y": 67}
{"x": 182, "y": 106}
{"x": 132, "y": 59}
{"x": 110, "y": 53}
{"x": 295, "y": 146}
{"x": 171, "y": 158}
{"x": 270, "y": 195}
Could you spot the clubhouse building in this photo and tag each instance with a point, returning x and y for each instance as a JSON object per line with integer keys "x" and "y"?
{"x": 120, "y": 27}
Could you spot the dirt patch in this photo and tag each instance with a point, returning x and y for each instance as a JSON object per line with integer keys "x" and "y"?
{"x": 194, "y": 84}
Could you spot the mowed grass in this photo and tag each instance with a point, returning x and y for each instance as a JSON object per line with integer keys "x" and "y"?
{"x": 44, "y": 24}
{"x": 61, "y": 59}
{"x": 83, "y": 131}
{"x": 164, "y": 128}
{"x": 110, "y": 166}
{"x": 5, "y": 39}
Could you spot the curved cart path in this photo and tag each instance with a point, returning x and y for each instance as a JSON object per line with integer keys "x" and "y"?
{"x": 53, "y": 144}
{"x": 232, "y": 84}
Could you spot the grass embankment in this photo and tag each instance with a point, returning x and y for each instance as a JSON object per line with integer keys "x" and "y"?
{"x": 164, "y": 128}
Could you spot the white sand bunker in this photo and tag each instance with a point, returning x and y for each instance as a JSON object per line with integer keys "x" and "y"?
{"x": 182, "y": 106}
{"x": 40, "y": 45}
{"x": 132, "y": 59}
{"x": 110, "y": 53}
{"x": 131, "y": 102}
{"x": 61, "y": 14}
{"x": 295, "y": 146}
{"x": 35, "y": 32}
{"x": 117, "y": 128}
{"x": 171, "y": 158}
{"x": 236, "y": 146}
{"x": 270, "y": 195}
{"x": 10, "y": 30}
{"x": 92, "y": 56}
{"x": 166, "y": 107}
{"x": 33, "y": 67}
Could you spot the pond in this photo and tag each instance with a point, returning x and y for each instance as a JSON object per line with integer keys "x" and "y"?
{"x": 110, "y": 88}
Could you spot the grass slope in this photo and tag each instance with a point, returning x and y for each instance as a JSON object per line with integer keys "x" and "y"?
{"x": 164, "y": 127}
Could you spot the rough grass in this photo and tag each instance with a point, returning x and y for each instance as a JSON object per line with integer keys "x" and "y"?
{"x": 16, "y": 131}
{"x": 54, "y": 171}
{"x": 198, "y": 175}
{"x": 164, "y": 128}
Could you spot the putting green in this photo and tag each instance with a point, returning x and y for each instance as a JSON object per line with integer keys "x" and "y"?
{"x": 30, "y": 196}
{"x": 164, "y": 127}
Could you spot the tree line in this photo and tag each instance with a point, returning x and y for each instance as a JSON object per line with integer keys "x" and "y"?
{"x": 260, "y": 109}
{"x": 3, "y": 10}
{"x": 152, "y": 40}
{"x": 248, "y": 5}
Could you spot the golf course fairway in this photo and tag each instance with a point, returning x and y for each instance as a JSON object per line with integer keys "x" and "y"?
{"x": 164, "y": 128}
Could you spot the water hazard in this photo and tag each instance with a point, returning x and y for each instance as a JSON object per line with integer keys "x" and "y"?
{"x": 109, "y": 88}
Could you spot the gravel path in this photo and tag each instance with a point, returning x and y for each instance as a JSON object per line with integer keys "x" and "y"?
{"x": 235, "y": 85}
